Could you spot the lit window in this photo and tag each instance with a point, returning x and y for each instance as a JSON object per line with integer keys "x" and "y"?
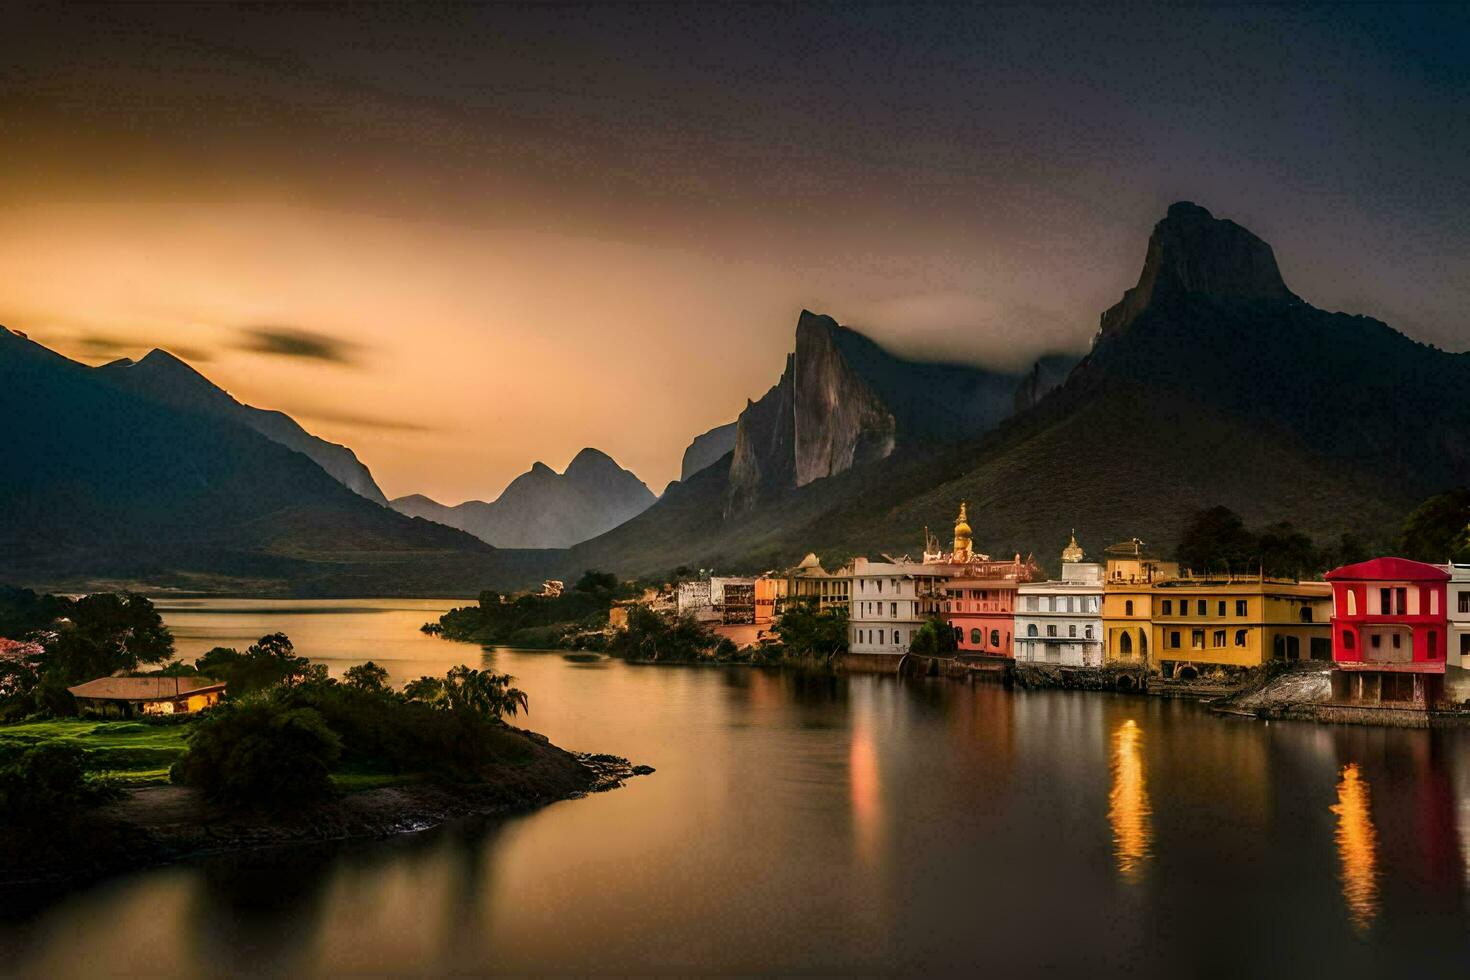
{"x": 1240, "y": 638}
{"x": 1240, "y": 607}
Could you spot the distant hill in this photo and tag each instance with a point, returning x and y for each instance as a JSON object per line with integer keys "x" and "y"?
{"x": 707, "y": 448}
{"x": 165, "y": 378}
{"x": 105, "y": 485}
{"x": 542, "y": 508}
{"x": 1210, "y": 382}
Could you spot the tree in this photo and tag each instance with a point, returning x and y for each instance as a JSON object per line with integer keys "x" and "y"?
{"x": 480, "y": 693}
{"x": 1285, "y": 551}
{"x": 1216, "y": 539}
{"x": 367, "y": 677}
{"x": 595, "y": 581}
{"x": 807, "y": 631}
{"x": 1439, "y": 529}
{"x": 934, "y": 639}
{"x": 269, "y": 661}
{"x": 259, "y": 755}
{"x": 97, "y": 635}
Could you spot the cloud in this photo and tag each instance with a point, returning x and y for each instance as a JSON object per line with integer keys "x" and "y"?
{"x": 334, "y": 416}
{"x": 295, "y": 342}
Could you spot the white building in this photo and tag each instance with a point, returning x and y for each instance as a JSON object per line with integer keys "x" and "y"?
{"x": 890, "y": 601}
{"x": 694, "y": 600}
{"x": 1060, "y": 622}
{"x": 1457, "y": 653}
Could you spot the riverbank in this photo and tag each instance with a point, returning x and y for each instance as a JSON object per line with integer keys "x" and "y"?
{"x": 162, "y": 824}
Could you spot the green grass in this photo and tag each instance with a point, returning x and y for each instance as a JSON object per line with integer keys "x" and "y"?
{"x": 356, "y": 782}
{"x": 130, "y": 752}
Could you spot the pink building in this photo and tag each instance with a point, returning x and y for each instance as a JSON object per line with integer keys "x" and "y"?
{"x": 1389, "y": 629}
{"x": 980, "y": 598}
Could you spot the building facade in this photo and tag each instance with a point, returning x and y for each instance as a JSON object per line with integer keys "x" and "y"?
{"x": 1201, "y": 623}
{"x": 1390, "y": 628}
{"x": 1127, "y": 609}
{"x": 1458, "y": 613}
{"x": 980, "y": 596}
{"x": 1060, "y": 621}
{"x": 890, "y": 601}
{"x": 810, "y": 582}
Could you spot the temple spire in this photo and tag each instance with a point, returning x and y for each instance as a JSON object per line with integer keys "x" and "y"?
{"x": 962, "y": 544}
{"x": 1073, "y": 551}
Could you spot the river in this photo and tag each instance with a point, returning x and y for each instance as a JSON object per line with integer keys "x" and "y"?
{"x": 820, "y": 824}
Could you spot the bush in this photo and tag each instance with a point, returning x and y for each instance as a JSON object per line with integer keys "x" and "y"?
{"x": 47, "y": 786}
{"x": 261, "y": 755}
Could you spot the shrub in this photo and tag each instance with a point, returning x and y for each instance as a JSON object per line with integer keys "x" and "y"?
{"x": 46, "y": 786}
{"x": 260, "y": 755}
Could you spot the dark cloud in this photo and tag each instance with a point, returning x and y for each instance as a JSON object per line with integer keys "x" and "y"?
{"x": 295, "y": 342}
{"x": 331, "y": 415}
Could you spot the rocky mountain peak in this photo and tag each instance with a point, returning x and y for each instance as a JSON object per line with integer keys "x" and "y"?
{"x": 1193, "y": 252}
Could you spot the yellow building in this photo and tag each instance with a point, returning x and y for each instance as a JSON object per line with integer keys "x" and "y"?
{"x": 1127, "y": 609}
{"x": 1201, "y": 622}
{"x": 809, "y": 581}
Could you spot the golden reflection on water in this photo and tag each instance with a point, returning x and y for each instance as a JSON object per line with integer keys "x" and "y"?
{"x": 1357, "y": 847}
{"x": 1128, "y": 807}
{"x": 862, "y": 768}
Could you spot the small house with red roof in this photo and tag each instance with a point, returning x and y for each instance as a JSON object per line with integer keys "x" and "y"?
{"x": 1389, "y": 632}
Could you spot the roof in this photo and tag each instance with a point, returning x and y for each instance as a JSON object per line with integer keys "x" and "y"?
{"x": 144, "y": 688}
{"x": 1388, "y": 570}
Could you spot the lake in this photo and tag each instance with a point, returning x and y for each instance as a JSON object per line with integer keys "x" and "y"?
{"x": 801, "y": 823}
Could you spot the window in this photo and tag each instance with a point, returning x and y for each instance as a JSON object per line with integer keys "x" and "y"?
{"x": 893, "y": 610}
{"x": 1465, "y": 602}
{"x": 995, "y": 638}
{"x": 1240, "y": 638}
{"x": 1200, "y": 606}
{"x": 1347, "y": 640}
{"x": 880, "y": 586}
{"x": 1376, "y": 640}
{"x": 897, "y": 637}
{"x": 1219, "y": 639}
{"x": 1434, "y": 644}
{"x": 1168, "y": 607}
{"x": 1400, "y": 601}
{"x": 1396, "y": 641}
{"x": 1072, "y": 630}
{"x": 1174, "y": 639}
{"x": 880, "y": 637}
{"x": 1464, "y": 642}
{"x": 1352, "y": 602}
{"x": 1306, "y": 614}
{"x": 1220, "y": 609}
{"x": 1125, "y": 644}
{"x": 1128, "y": 608}
{"x": 1240, "y": 607}
{"x": 1051, "y": 629}
{"x": 1385, "y": 601}
{"x": 1197, "y": 639}
{"x": 976, "y": 639}
{"x": 1032, "y": 603}
{"x": 1433, "y": 602}
{"x": 1087, "y": 634}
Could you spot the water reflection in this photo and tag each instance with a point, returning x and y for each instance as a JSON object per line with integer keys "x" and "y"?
{"x": 862, "y": 774}
{"x": 1128, "y": 806}
{"x": 1357, "y": 847}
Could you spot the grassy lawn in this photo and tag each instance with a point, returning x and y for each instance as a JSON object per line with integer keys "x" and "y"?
{"x": 129, "y": 752}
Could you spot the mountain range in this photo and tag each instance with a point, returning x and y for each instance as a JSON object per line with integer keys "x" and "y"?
{"x": 542, "y": 508}
{"x": 1210, "y": 382}
{"x": 121, "y": 477}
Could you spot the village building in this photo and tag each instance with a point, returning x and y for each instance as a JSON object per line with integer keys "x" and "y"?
{"x": 1458, "y": 613}
{"x": 129, "y": 697}
{"x": 1389, "y": 632}
{"x": 1060, "y": 621}
{"x": 1202, "y": 622}
{"x": 1127, "y": 610}
{"x": 723, "y": 600}
{"x": 770, "y": 589}
{"x": 694, "y": 600}
{"x": 890, "y": 601}
{"x": 980, "y": 595}
{"x": 810, "y": 582}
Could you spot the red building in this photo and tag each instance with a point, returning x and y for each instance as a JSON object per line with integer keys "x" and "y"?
{"x": 1389, "y": 629}
{"x": 980, "y": 597}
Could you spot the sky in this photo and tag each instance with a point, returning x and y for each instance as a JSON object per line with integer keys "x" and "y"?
{"x": 463, "y": 238}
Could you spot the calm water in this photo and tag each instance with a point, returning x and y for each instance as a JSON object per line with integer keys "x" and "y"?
{"x": 831, "y": 825}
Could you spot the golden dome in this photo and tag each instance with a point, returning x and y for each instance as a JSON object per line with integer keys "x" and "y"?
{"x": 962, "y": 524}
{"x": 1073, "y": 551}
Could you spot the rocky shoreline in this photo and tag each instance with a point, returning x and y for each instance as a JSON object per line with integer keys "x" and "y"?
{"x": 160, "y": 825}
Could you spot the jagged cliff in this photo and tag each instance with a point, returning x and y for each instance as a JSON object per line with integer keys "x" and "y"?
{"x": 706, "y": 448}
{"x": 844, "y": 401}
